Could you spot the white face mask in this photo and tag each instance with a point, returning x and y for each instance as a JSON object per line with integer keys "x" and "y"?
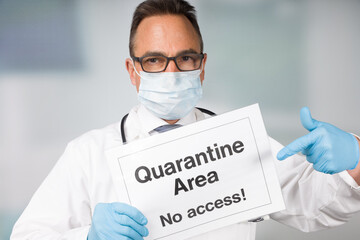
{"x": 170, "y": 95}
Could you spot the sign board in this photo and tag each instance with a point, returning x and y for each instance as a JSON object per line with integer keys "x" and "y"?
{"x": 199, "y": 177}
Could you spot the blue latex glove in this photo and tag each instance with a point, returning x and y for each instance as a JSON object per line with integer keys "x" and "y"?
{"x": 330, "y": 149}
{"x": 117, "y": 221}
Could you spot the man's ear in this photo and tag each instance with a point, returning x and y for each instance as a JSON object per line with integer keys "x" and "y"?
{"x": 202, "y": 75}
{"x": 130, "y": 68}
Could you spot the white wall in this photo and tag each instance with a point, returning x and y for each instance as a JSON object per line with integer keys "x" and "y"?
{"x": 282, "y": 54}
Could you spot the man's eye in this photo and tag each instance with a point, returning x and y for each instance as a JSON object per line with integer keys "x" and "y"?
{"x": 152, "y": 60}
{"x": 185, "y": 58}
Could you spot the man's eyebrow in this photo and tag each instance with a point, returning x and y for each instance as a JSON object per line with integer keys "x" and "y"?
{"x": 158, "y": 53}
{"x": 153, "y": 53}
{"x": 186, "y": 51}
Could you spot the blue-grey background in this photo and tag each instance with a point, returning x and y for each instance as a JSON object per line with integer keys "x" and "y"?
{"x": 62, "y": 73}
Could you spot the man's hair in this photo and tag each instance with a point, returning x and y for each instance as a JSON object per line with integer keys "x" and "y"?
{"x": 150, "y": 8}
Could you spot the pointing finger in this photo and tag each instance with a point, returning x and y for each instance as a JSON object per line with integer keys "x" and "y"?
{"x": 298, "y": 145}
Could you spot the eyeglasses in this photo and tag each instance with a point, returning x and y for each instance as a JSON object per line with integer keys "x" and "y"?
{"x": 158, "y": 63}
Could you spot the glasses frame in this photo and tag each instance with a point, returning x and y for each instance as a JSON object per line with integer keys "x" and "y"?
{"x": 168, "y": 59}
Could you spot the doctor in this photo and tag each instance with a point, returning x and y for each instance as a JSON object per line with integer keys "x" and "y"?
{"x": 77, "y": 200}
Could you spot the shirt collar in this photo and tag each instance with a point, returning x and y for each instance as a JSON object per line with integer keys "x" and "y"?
{"x": 149, "y": 121}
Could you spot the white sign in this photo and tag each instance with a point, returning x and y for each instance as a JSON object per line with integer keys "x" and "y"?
{"x": 199, "y": 177}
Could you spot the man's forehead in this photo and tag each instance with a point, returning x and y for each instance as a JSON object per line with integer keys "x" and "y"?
{"x": 165, "y": 34}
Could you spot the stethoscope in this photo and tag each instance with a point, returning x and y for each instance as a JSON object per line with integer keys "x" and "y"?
{"x": 123, "y": 120}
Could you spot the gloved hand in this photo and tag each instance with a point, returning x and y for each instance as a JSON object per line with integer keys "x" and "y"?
{"x": 117, "y": 221}
{"x": 330, "y": 149}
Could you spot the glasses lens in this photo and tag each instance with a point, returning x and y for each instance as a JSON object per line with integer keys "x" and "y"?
{"x": 189, "y": 61}
{"x": 153, "y": 63}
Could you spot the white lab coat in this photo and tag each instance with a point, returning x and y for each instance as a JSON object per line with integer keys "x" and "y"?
{"x": 63, "y": 205}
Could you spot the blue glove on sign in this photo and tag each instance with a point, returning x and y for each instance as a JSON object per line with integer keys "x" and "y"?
{"x": 117, "y": 221}
{"x": 328, "y": 148}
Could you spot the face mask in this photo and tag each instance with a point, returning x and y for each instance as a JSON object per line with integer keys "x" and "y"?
{"x": 170, "y": 95}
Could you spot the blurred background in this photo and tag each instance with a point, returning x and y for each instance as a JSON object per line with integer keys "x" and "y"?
{"x": 62, "y": 73}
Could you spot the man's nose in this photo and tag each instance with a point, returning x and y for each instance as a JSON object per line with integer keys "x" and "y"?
{"x": 171, "y": 67}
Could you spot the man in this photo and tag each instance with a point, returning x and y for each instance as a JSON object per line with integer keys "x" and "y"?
{"x": 167, "y": 66}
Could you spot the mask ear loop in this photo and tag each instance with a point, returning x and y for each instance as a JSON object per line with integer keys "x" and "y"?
{"x": 138, "y": 72}
{"x": 135, "y": 67}
{"x": 201, "y": 69}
